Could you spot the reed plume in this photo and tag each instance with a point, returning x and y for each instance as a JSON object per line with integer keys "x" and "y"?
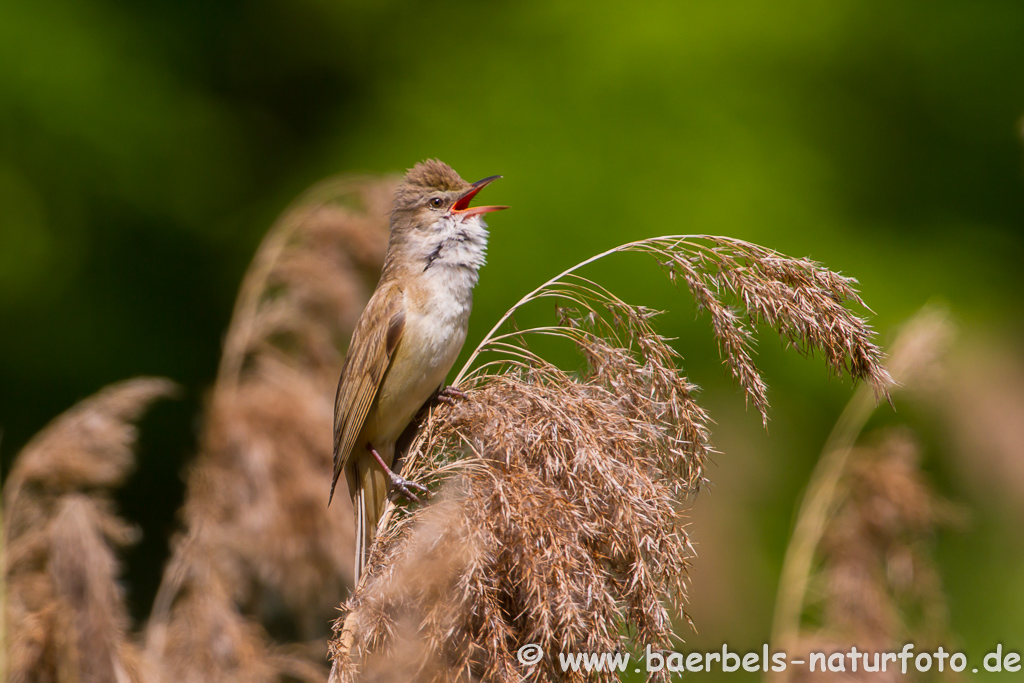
{"x": 260, "y": 548}
{"x": 876, "y": 586}
{"x": 858, "y": 553}
{"x": 915, "y": 360}
{"x": 65, "y": 614}
{"x": 559, "y": 515}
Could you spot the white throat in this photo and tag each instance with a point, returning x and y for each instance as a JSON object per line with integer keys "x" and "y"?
{"x": 457, "y": 244}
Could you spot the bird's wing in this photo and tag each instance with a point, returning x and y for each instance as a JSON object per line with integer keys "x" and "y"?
{"x": 373, "y": 343}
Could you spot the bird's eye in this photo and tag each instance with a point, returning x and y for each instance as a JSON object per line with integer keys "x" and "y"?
{"x": 436, "y": 202}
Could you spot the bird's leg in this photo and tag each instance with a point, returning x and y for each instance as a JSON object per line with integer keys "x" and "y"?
{"x": 447, "y": 395}
{"x": 399, "y": 483}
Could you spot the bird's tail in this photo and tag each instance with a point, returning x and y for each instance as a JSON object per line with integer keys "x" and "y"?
{"x": 369, "y": 501}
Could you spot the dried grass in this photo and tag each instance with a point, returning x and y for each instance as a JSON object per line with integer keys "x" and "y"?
{"x": 559, "y": 516}
{"x": 915, "y": 360}
{"x": 877, "y": 544}
{"x": 877, "y": 587}
{"x": 858, "y": 553}
{"x": 65, "y": 614}
{"x": 260, "y": 546}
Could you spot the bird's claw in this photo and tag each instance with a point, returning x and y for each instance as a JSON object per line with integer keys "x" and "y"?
{"x": 449, "y": 394}
{"x": 403, "y": 487}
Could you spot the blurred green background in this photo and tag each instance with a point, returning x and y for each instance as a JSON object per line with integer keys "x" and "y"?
{"x": 145, "y": 147}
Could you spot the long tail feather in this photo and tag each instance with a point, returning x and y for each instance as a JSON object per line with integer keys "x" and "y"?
{"x": 369, "y": 506}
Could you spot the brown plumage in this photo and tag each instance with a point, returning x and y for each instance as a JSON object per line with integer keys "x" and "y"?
{"x": 409, "y": 334}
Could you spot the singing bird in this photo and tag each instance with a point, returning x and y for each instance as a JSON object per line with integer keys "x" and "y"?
{"x": 409, "y": 334}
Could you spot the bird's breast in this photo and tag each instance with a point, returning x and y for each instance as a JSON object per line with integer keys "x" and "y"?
{"x": 435, "y": 329}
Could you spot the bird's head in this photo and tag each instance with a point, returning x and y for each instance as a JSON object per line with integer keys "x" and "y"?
{"x": 432, "y": 220}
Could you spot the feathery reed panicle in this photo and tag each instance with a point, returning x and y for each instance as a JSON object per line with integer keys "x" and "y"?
{"x": 559, "y": 520}
{"x": 65, "y": 613}
{"x": 878, "y": 540}
{"x": 260, "y": 545}
{"x": 915, "y": 360}
{"x": 742, "y": 285}
{"x": 877, "y": 585}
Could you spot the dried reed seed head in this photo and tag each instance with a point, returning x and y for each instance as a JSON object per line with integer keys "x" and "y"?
{"x": 205, "y": 637}
{"x": 259, "y": 503}
{"x": 65, "y": 611}
{"x": 742, "y": 285}
{"x": 565, "y": 528}
{"x": 569, "y": 502}
{"x": 877, "y": 585}
{"x": 89, "y": 445}
{"x": 317, "y": 288}
{"x": 880, "y": 585}
{"x": 310, "y": 278}
{"x": 260, "y": 540}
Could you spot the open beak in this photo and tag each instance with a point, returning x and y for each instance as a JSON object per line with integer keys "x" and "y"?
{"x": 462, "y": 207}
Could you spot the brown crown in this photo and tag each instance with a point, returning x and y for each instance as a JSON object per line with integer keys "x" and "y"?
{"x": 433, "y": 174}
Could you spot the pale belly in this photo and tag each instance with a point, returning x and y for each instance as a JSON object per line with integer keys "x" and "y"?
{"x": 424, "y": 356}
